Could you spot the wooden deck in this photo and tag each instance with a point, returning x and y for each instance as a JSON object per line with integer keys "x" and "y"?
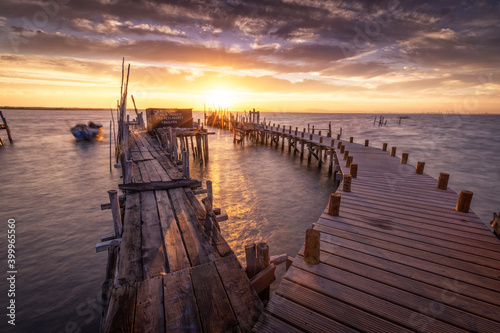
{"x": 169, "y": 274}
{"x": 398, "y": 258}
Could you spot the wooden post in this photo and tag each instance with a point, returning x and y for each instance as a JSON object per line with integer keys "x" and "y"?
{"x": 251, "y": 256}
{"x": 393, "y": 151}
{"x": 312, "y": 247}
{"x": 338, "y": 136}
{"x": 110, "y": 136}
{"x": 349, "y": 161}
{"x": 384, "y": 147}
{"x": 320, "y": 139}
{"x": 263, "y": 260}
{"x": 354, "y": 170}
{"x": 115, "y": 210}
{"x": 6, "y": 127}
{"x": 464, "y": 200}
{"x": 346, "y": 183}
{"x": 334, "y": 204}
{"x": 342, "y": 149}
{"x": 339, "y": 144}
{"x": 302, "y": 148}
{"x": 346, "y": 153}
{"x": 185, "y": 164}
{"x": 404, "y": 158}
{"x": 206, "y": 148}
{"x": 366, "y": 143}
{"x": 443, "y": 181}
{"x": 420, "y": 168}
{"x": 351, "y": 139}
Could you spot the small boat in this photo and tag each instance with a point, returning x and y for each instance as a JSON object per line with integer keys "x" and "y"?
{"x": 89, "y": 132}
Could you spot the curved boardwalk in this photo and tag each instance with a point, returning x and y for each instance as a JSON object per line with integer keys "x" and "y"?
{"x": 398, "y": 258}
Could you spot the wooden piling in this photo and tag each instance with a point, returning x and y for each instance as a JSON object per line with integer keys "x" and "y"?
{"x": 127, "y": 169}
{"x": 354, "y": 170}
{"x": 367, "y": 142}
{"x": 312, "y": 247}
{"x": 393, "y": 151}
{"x": 115, "y": 210}
{"x": 346, "y": 153}
{"x": 263, "y": 261}
{"x": 338, "y": 136}
{"x": 384, "y": 147}
{"x": 185, "y": 164}
{"x": 251, "y": 257}
{"x": 346, "y": 183}
{"x": 464, "y": 201}
{"x": 342, "y": 149}
{"x": 334, "y": 204}
{"x": 339, "y": 144}
{"x": 404, "y": 158}
{"x": 348, "y": 161}
{"x": 351, "y": 139}
{"x": 420, "y": 168}
{"x": 443, "y": 181}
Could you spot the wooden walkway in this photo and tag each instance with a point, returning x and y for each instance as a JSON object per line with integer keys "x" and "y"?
{"x": 398, "y": 258}
{"x": 169, "y": 274}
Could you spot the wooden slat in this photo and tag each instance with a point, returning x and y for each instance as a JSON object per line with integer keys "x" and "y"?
{"x": 153, "y": 250}
{"x": 270, "y": 324}
{"x": 130, "y": 263}
{"x": 213, "y": 304}
{"x": 245, "y": 302}
{"x": 158, "y": 184}
{"x": 150, "y": 311}
{"x": 181, "y": 311}
{"x": 196, "y": 241}
{"x": 177, "y": 258}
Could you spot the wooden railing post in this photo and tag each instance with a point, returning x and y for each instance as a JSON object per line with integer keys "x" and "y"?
{"x": 251, "y": 257}
{"x": 354, "y": 170}
{"x": 334, "y": 204}
{"x": 351, "y": 139}
{"x": 443, "y": 181}
{"x": 384, "y": 147}
{"x": 393, "y": 151}
{"x": 404, "y": 158}
{"x": 464, "y": 201}
{"x": 346, "y": 183}
{"x": 312, "y": 247}
{"x": 420, "y": 168}
{"x": 367, "y": 142}
{"x": 349, "y": 161}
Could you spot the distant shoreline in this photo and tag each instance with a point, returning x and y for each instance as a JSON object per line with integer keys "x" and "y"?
{"x": 316, "y": 111}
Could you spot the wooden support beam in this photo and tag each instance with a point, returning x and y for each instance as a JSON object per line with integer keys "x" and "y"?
{"x": 115, "y": 210}
{"x": 103, "y": 246}
{"x": 312, "y": 247}
{"x": 185, "y": 164}
{"x": 157, "y": 186}
{"x": 464, "y": 201}
{"x": 263, "y": 279}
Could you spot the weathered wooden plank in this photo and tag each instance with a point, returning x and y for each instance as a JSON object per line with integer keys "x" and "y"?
{"x": 150, "y": 311}
{"x": 245, "y": 302}
{"x": 159, "y": 185}
{"x": 153, "y": 250}
{"x": 305, "y": 319}
{"x": 153, "y": 174}
{"x": 161, "y": 171}
{"x": 121, "y": 310}
{"x": 130, "y": 263}
{"x": 269, "y": 324}
{"x": 195, "y": 239}
{"x": 406, "y": 239}
{"x": 453, "y": 308}
{"x": 177, "y": 258}
{"x": 213, "y": 304}
{"x": 144, "y": 172}
{"x": 377, "y": 260}
{"x": 181, "y": 310}
{"x": 264, "y": 278}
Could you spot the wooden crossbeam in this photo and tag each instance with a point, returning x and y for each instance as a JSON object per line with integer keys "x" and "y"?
{"x": 154, "y": 186}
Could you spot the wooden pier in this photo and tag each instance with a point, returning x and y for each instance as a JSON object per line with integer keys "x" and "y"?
{"x": 169, "y": 269}
{"x": 397, "y": 250}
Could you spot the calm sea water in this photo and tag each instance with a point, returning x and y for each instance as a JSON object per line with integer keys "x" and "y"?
{"x": 53, "y": 187}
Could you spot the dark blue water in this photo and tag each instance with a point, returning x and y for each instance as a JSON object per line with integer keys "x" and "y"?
{"x": 53, "y": 187}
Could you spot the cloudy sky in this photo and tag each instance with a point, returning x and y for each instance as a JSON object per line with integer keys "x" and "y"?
{"x": 273, "y": 55}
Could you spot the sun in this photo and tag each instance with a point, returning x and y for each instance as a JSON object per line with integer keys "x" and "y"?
{"x": 220, "y": 99}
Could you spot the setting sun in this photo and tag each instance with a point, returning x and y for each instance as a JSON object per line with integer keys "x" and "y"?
{"x": 220, "y": 99}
